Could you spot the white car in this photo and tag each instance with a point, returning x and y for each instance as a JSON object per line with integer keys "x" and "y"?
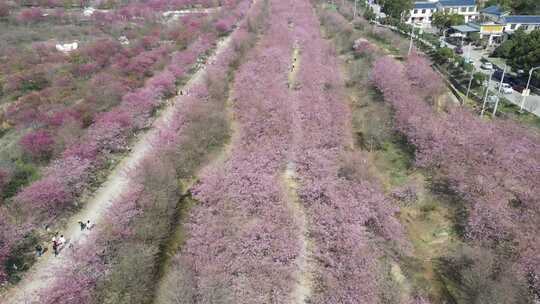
{"x": 487, "y": 66}
{"x": 506, "y": 88}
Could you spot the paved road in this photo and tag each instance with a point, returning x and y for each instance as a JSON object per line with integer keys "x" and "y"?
{"x": 532, "y": 102}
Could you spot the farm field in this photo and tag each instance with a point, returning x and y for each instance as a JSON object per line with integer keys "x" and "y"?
{"x": 249, "y": 151}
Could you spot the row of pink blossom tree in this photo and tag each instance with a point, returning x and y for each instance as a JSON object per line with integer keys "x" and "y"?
{"x": 346, "y": 211}
{"x": 153, "y": 179}
{"x": 493, "y": 165}
{"x": 243, "y": 239}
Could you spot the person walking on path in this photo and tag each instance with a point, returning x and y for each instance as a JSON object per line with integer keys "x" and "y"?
{"x": 55, "y": 246}
{"x": 82, "y": 224}
{"x": 39, "y": 250}
{"x": 89, "y": 225}
{"x": 61, "y": 241}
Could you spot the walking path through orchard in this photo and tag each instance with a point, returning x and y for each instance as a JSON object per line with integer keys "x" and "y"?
{"x": 44, "y": 271}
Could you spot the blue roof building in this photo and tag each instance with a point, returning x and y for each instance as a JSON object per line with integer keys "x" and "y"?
{"x": 526, "y": 23}
{"x": 523, "y": 19}
{"x": 493, "y": 10}
{"x": 425, "y": 5}
{"x": 453, "y": 3}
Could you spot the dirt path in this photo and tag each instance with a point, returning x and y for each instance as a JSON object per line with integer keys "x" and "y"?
{"x": 116, "y": 184}
{"x": 304, "y": 280}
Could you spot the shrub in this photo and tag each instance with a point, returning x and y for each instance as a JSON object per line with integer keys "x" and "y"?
{"x": 427, "y": 83}
{"x": 339, "y": 28}
{"x": 21, "y": 176}
{"x": 21, "y": 257}
{"x": 4, "y": 10}
{"x": 134, "y": 261}
{"x": 181, "y": 286}
{"x": 377, "y": 130}
{"x": 4, "y": 179}
{"x": 224, "y": 25}
{"x": 365, "y": 48}
{"x": 444, "y": 54}
{"x": 481, "y": 277}
{"x": 164, "y": 83}
{"x": 478, "y": 79}
{"x": 38, "y": 144}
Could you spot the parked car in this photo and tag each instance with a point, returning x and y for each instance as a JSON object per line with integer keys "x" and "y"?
{"x": 458, "y": 50}
{"x": 518, "y": 87}
{"x": 506, "y": 88}
{"x": 497, "y": 74}
{"x": 487, "y": 65}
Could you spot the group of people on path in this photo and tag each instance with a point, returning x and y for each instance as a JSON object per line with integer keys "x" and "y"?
{"x": 59, "y": 241}
{"x": 86, "y": 225}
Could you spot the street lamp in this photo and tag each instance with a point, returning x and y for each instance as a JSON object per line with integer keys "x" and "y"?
{"x": 486, "y": 94}
{"x": 526, "y": 91}
{"x": 444, "y": 36}
{"x": 411, "y": 43}
{"x": 500, "y": 87}
{"x": 469, "y": 52}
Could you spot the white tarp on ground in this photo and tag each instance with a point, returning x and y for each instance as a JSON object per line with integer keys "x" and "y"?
{"x": 67, "y": 47}
{"x": 89, "y": 11}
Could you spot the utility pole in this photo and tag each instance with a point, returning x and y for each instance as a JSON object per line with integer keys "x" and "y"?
{"x": 498, "y": 98}
{"x": 486, "y": 95}
{"x": 469, "y": 53}
{"x": 495, "y": 108}
{"x": 502, "y": 78}
{"x": 470, "y": 83}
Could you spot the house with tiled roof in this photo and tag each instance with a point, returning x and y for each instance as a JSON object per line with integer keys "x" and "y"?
{"x": 494, "y": 12}
{"x": 466, "y": 8}
{"x": 422, "y": 12}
